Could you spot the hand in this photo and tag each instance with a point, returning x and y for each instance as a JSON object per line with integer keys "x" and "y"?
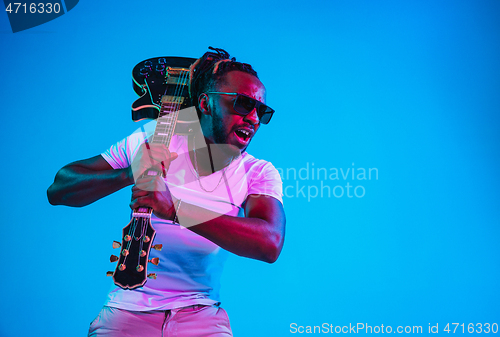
{"x": 155, "y": 157}
{"x": 152, "y": 192}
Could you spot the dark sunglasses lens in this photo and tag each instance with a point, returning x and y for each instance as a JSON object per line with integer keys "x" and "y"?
{"x": 266, "y": 118}
{"x": 265, "y": 113}
{"x": 244, "y": 104}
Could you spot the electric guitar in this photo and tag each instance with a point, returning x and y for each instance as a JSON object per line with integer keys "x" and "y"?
{"x": 162, "y": 83}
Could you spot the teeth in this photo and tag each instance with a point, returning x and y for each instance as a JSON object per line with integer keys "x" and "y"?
{"x": 245, "y": 132}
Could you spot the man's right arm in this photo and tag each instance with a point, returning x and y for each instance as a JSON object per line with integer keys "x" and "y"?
{"x": 83, "y": 182}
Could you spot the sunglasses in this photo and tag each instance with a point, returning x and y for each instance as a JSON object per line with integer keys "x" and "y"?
{"x": 244, "y": 104}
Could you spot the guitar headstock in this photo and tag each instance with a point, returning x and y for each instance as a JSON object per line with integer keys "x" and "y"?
{"x": 137, "y": 240}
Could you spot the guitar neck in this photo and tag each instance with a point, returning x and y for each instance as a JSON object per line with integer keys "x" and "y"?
{"x": 167, "y": 118}
{"x": 177, "y": 79}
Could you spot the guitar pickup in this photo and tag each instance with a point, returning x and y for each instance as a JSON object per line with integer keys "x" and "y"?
{"x": 172, "y": 99}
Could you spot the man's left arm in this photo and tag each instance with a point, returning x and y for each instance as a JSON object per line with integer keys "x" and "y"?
{"x": 259, "y": 235}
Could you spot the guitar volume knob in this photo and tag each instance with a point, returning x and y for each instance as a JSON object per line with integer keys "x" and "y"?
{"x": 144, "y": 72}
{"x": 160, "y": 68}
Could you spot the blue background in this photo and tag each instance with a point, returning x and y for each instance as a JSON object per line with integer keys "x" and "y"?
{"x": 411, "y": 88}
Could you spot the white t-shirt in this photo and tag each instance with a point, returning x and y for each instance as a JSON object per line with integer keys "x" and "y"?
{"x": 190, "y": 265}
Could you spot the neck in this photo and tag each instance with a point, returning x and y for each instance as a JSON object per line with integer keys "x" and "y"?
{"x": 210, "y": 157}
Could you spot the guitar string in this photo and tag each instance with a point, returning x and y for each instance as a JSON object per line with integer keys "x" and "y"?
{"x": 169, "y": 130}
{"x": 174, "y": 106}
{"x": 176, "y": 103}
{"x": 178, "y": 93}
{"x": 141, "y": 239}
{"x": 180, "y": 88}
{"x": 133, "y": 228}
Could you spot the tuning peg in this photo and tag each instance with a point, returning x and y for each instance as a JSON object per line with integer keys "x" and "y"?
{"x": 152, "y": 275}
{"x": 158, "y": 246}
{"x": 113, "y": 258}
{"x": 109, "y": 273}
{"x": 154, "y": 261}
{"x": 116, "y": 244}
{"x": 139, "y": 268}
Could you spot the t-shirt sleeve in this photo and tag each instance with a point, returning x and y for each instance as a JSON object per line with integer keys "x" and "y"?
{"x": 267, "y": 181}
{"x": 121, "y": 154}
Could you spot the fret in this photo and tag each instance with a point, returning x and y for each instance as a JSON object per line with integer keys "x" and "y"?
{"x": 165, "y": 113}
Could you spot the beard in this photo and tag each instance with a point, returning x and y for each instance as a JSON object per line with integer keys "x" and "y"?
{"x": 220, "y": 136}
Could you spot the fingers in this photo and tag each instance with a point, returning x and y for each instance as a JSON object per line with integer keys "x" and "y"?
{"x": 144, "y": 193}
{"x": 152, "y": 157}
{"x": 142, "y": 202}
{"x": 149, "y": 184}
{"x": 157, "y": 156}
{"x": 166, "y": 164}
{"x": 152, "y": 192}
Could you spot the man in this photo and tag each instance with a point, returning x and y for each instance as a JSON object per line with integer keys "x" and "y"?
{"x": 223, "y": 198}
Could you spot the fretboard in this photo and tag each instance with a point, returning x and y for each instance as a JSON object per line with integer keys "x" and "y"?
{"x": 170, "y": 104}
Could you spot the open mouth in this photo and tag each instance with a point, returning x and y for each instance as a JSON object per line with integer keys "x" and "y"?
{"x": 243, "y": 135}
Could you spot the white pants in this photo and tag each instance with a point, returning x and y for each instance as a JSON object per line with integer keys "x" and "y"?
{"x": 192, "y": 321}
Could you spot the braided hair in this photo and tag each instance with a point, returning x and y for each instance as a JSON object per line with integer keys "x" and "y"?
{"x": 207, "y": 71}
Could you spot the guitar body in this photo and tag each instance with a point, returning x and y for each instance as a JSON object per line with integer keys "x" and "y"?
{"x": 162, "y": 83}
{"x": 151, "y": 80}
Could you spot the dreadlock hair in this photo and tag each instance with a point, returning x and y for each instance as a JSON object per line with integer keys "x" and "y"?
{"x": 210, "y": 69}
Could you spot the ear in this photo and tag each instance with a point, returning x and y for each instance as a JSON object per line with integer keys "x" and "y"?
{"x": 203, "y": 104}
